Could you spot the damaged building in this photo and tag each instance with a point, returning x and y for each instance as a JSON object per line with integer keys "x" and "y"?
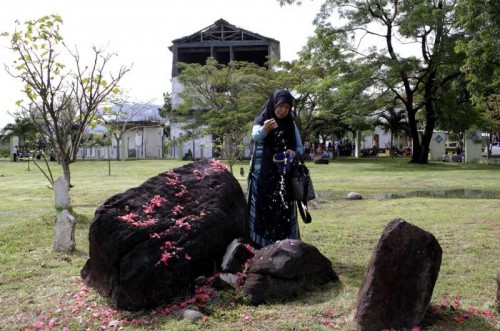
{"x": 226, "y": 43}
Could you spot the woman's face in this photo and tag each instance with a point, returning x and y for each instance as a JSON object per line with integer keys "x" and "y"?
{"x": 282, "y": 110}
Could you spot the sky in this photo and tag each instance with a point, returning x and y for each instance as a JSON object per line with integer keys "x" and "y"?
{"x": 140, "y": 32}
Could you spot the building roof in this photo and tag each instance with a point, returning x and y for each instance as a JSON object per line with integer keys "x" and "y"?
{"x": 135, "y": 113}
{"x": 221, "y": 30}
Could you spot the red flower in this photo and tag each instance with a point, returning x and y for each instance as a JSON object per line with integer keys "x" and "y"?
{"x": 250, "y": 248}
{"x": 165, "y": 257}
{"x": 182, "y": 192}
{"x": 197, "y": 173}
{"x": 147, "y": 209}
{"x": 38, "y": 325}
{"x": 182, "y": 224}
{"x": 202, "y": 298}
{"x": 129, "y": 218}
{"x": 487, "y": 313}
{"x": 218, "y": 166}
{"x": 461, "y": 318}
{"x": 172, "y": 178}
{"x": 177, "y": 209}
{"x": 157, "y": 201}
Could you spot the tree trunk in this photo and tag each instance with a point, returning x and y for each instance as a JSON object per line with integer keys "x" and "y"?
{"x": 391, "y": 150}
{"x": 66, "y": 171}
{"x": 416, "y": 148}
{"x": 117, "y": 150}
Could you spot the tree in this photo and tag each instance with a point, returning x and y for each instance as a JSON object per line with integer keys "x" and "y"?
{"x": 166, "y": 109}
{"x": 480, "y": 23}
{"x": 221, "y": 101}
{"x": 22, "y": 128}
{"x": 326, "y": 105}
{"x": 62, "y": 102}
{"x": 456, "y": 111}
{"x": 416, "y": 81}
{"x": 393, "y": 120}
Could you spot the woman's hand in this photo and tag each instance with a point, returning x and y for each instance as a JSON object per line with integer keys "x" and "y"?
{"x": 291, "y": 153}
{"x": 270, "y": 125}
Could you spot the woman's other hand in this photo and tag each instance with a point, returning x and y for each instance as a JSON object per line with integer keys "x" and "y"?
{"x": 291, "y": 153}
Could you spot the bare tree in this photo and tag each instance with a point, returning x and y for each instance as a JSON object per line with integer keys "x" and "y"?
{"x": 62, "y": 102}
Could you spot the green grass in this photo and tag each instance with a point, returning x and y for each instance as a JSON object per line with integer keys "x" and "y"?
{"x": 39, "y": 285}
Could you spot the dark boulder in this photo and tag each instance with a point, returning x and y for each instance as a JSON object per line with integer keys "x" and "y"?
{"x": 237, "y": 254}
{"x": 399, "y": 280}
{"x": 283, "y": 270}
{"x": 149, "y": 243}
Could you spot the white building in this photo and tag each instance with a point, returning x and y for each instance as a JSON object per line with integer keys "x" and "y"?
{"x": 142, "y": 134}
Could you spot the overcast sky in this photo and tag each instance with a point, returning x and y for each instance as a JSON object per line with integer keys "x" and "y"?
{"x": 140, "y": 32}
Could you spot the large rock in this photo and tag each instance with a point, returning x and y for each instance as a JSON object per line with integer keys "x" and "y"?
{"x": 285, "y": 269}
{"x": 236, "y": 256}
{"x": 149, "y": 243}
{"x": 399, "y": 280}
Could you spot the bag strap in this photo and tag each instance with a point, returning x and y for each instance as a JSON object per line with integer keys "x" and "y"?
{"x": 304, "y": 212}
{"x": 306, "y": 185}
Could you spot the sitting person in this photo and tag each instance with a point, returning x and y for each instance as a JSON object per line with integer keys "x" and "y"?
{"x": 456, "y": 157}
{"x": 446, "y": 157}
{"x": 189, "y": 155}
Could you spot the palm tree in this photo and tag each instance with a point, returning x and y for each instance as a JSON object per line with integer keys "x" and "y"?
{"x": 393, "y": 119}
{"x": 23, "y": 128}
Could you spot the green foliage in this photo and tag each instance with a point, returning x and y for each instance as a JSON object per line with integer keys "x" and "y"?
{"x": 222, "y": 101}
{"x": 4, "y": 152}
{"x": 456, "y": 113}
{"x": 329, "y": 100}
{"x": 23, "y": 128}
{"x": 480, "y": 22}
{"x": 381, "y": 68}
{"x": 166, "y": 110}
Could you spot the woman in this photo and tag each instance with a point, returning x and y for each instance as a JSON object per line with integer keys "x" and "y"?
{"x": 272, "y": 213}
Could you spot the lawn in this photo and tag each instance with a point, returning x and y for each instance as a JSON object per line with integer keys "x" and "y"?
{"x": 41, "y": 289}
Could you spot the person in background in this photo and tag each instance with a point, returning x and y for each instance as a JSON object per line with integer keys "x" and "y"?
{"x": 446, "y": 157}
{"x": 272, "y": 214}
{"x": 455, "y": 157}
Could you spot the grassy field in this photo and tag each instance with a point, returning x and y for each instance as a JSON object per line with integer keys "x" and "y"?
{"x": 41, "y": 289}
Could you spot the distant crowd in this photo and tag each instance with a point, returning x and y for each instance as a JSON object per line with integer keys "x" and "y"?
{"x": 457, "y": 155}
{"x": 27, "y": 155}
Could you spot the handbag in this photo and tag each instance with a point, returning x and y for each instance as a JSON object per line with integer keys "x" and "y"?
{"x": 302, "y": 190}
{"x": 302, "y": 186}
